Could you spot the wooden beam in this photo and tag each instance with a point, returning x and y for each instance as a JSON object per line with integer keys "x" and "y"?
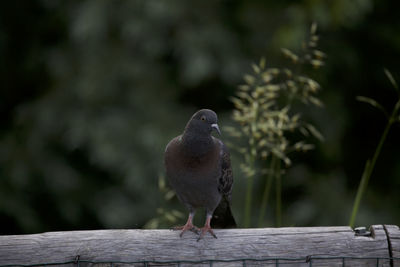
{"x": 295, "y": 245}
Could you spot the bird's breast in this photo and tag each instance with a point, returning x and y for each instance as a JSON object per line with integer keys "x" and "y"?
{"x": 195, "y": 179}
{"x": 180, "y": 164}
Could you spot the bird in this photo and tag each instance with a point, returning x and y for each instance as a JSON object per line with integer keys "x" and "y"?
{"x": 198, "y": 169}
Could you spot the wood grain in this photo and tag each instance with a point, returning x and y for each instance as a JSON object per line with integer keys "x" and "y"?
{"x": 393, "y": 234}
{"x": 232, "y": 244}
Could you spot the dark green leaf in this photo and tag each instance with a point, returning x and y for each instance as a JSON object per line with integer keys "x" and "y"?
{"x": 373, "y": 103}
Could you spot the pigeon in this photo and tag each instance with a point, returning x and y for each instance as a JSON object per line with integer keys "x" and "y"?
{"x": 198, "y": 169}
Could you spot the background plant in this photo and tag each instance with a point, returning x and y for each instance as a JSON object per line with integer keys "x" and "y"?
{"x": 166, "y": 216}
{"x": 265, "y": 110}
{"x": 393, "y": 117}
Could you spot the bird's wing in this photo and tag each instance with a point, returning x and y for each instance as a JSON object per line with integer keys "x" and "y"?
{"x": 226, "y": 179}
{"x": 223, "y": 217}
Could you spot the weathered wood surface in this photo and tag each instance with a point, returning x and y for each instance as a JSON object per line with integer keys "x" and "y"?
{"x": 393, "y": 234}
{"x": 234, "y": 244}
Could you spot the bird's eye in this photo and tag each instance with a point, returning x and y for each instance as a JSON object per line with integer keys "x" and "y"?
{"x": 203, "y": 118}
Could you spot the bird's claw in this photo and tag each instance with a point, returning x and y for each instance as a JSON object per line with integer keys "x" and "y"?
{"x": 185, "y": 228}
{"x": 204, "y": 230}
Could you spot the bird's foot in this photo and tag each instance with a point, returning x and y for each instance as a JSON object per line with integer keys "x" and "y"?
{"x": 186, "y": 227}
{"x": 204, "y": 230}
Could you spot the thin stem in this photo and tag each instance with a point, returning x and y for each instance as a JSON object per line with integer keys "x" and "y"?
{"x": 369, "y": 167}
{"x": 252, "y": 167}
{"x": 267, "y": 190}
{"x": 249, "y": 192}
{"x": 278, "y": 194}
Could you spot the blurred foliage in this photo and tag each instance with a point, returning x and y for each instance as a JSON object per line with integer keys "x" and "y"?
{"x": 165, "y": 216}
{"x": 266, "y": 120}
{"x": 91, "y": 92}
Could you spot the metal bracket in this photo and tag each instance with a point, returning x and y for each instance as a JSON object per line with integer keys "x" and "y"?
{"x": 362, "y": 231}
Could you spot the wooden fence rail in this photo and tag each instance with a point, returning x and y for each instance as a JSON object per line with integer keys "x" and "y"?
{"x": 291, "y": 246}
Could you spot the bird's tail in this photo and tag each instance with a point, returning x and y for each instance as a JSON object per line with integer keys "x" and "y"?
{"x": 222, "y": 216}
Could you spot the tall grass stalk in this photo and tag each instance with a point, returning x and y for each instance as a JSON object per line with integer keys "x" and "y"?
{"x": 249, "y": 193}
{"x": 265, "y": 117}
{"x": 267, "y": 190}
{"x": 370, "y": 165}
{"x": 278, "y": 216}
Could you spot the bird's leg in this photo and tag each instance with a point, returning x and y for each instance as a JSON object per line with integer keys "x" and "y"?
{"x": 188, "y": 226}
{"x": 206, "y": 228}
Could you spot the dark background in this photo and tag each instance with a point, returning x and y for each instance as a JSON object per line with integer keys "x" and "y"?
{"x": 92, "y": 91}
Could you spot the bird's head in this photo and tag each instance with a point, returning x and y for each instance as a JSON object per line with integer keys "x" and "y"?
{"x": 203, "y": 121}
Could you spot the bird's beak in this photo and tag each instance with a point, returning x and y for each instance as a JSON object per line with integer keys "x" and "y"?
{"x": 216, "y": 128}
